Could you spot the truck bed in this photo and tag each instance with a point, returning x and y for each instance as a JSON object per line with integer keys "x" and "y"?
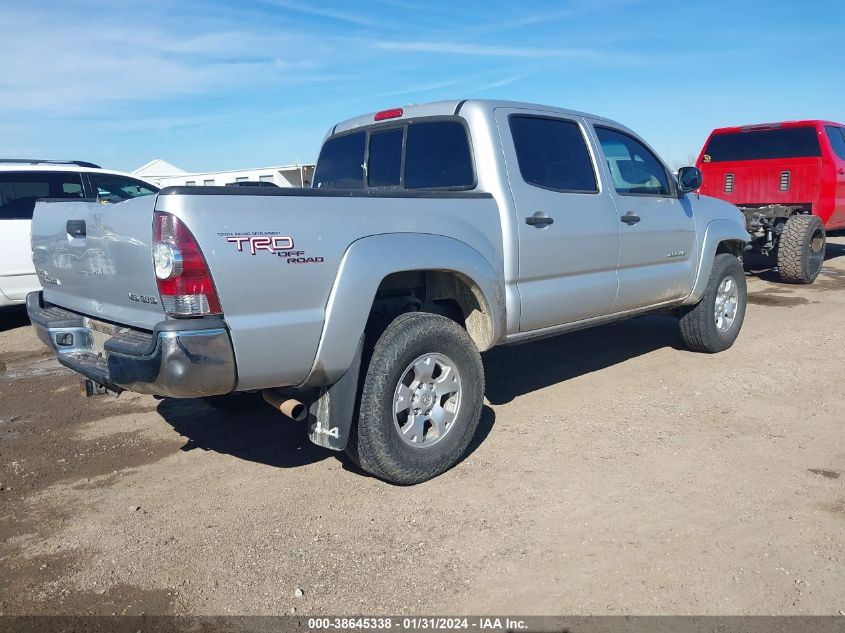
{"x": 274, "y": 255}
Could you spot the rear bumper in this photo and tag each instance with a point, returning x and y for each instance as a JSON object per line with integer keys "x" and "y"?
{"x": 180, "y": 358}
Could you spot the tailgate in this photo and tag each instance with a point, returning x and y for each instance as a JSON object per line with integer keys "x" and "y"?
{"x": 95, "y": 259}
{"x": 763, "y": 182}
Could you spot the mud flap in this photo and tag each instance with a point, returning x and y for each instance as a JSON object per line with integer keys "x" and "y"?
{"x": 330, "y": 416}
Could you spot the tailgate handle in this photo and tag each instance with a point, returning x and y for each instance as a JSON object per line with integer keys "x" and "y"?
{"x": 76, "y": 228}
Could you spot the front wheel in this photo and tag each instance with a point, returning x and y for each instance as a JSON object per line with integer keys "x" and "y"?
{"x": 421, "y": 399}
{"x": 713, "y": 324}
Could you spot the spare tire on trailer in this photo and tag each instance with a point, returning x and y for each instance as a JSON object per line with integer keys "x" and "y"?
{"x": 801, "y": 249}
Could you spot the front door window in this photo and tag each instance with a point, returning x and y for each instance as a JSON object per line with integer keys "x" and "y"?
{"x": 634, "y": 169}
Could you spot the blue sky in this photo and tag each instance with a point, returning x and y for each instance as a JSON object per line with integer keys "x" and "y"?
{"x": 215, "y": 85}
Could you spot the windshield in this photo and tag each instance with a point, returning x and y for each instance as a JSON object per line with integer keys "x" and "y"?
{"x": 793, "y": 142}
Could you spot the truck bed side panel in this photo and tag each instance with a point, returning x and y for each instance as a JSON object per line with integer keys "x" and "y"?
{"x": 274, "y": 302}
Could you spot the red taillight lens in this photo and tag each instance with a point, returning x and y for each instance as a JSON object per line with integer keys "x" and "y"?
{"x": 184, "y": 281}
{"x": 395, "y": 113}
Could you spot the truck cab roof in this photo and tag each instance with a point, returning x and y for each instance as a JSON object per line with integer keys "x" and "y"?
{"x": 752, "y": 127}
{"x": 453, "y": 108}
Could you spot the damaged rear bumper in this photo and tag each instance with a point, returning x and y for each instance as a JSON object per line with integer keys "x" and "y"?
{"x": 186, "y": 358}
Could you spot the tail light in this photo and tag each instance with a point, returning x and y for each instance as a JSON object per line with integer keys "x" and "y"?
{"x": 784, "y": 181}
{"x": 729, "y": 183}
{"x": 184, "y": 281}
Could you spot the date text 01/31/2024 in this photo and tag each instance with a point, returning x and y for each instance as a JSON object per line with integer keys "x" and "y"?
{"x": 417, "y": 623}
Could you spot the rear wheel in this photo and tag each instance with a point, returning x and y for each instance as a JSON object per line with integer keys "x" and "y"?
{"x": 421, "y": 399}
{"x": 713, "y": 324}
{"x": 801, "y": 249}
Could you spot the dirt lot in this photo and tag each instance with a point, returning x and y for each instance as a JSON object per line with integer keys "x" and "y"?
{"x": 614, "y": 473}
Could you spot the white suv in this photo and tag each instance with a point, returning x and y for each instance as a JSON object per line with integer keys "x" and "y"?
{"x": 22, "y": 182}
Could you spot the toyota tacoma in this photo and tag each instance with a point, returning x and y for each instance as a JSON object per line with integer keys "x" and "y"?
{"x": 431, "y": 233}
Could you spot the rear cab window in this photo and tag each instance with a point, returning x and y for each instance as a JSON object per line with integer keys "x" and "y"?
{"x": 415, "y": 154}
{"x": 788, "y": 142}
{"x": 341, "y": 162}
{"x": 20, "y": 190}
{"x": 438, "y": 156}
{"x": 384, "y": 166}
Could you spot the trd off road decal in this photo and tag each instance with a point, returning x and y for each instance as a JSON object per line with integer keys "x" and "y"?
{"x": 272, "y": 242}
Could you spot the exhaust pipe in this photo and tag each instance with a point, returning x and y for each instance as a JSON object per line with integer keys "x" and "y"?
{"x": 294, "y": 409}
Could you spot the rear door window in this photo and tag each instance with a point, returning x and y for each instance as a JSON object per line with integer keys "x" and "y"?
{"x": 552, "y": 154}
{"x": 341, "y": 162}
{"x": 20, "y": 190}
{"x": 837, "y": 139}
{"x": 384, "y": 161}
{"x": 634, "y": 169}
{"x": 790, "y": 142}
{"x": 437, "y": 156}
{"x": 112, "y": 189}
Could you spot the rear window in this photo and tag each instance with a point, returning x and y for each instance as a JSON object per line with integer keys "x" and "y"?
{"x": 20, "y": 190}
{"x": 793, "y": 142}
{"x": 384, "y": 168}
{"x": 341, "y": 163}
{"x": 428, "y": 154}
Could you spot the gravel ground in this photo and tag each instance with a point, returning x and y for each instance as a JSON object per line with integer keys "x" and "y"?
{"x": 614, "y": 473}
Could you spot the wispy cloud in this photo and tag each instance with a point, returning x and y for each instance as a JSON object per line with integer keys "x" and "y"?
{"x": 498, "y": 84}
{"x": 512, "y": 52}
{"x": 428, "y": 87}
{"x": 342, "y": 16}
{"x": 203, "y": 81}
{"x": 165, "y": 124}
{"x": 78, "y": 65}
{"x": 544, "y": 16}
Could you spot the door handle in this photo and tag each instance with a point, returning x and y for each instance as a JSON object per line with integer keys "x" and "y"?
{"x": 539, "y": 220}
{"x": 76, "y": 228}
{"x": 630, "y": 218}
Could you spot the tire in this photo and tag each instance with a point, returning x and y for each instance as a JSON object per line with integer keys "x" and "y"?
{"x": 801, "y": 249}
{"x": 701, "y": 327}
{"x": 421, "y": 351}
{"x": 233, "y": 402}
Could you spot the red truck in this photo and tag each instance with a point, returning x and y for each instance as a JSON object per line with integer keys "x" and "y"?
{"x": 789, "y": 180}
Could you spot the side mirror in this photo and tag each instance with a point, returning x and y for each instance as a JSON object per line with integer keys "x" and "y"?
{"x": 689, "y": 179}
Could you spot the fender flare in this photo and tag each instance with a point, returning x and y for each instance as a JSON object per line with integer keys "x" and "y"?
{"x": 717, "y": 231}
{"x": 362, "y": 268}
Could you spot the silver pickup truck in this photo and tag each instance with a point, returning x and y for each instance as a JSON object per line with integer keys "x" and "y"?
{"x": 431, "y": 234}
